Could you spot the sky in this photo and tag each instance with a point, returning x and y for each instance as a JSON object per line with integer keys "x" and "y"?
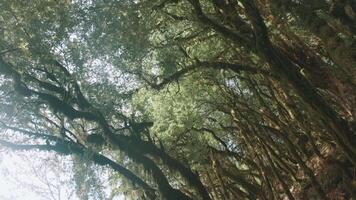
{"x": 21, "y": 176}
{"x": 9, "y": 163}
{"x": 19, "y": 181}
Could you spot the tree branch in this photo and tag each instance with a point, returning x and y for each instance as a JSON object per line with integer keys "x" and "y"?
{"x": 219, "y": 28}
{"x": 68, "y": 148}
{"x": 235, "y": 67}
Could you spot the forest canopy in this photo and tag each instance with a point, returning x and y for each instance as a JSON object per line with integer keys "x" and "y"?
{"x": 185, "y": 99}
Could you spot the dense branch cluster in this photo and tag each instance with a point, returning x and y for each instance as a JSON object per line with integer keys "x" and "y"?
{"x": 263, "y": 104}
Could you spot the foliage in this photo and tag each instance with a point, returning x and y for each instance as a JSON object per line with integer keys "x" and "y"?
{"x": 187, "y": 99}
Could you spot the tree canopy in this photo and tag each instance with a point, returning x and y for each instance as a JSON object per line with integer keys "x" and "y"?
{"x": 185, "y": 99}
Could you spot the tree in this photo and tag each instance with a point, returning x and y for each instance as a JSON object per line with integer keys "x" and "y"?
{"x": 187, "y": 99}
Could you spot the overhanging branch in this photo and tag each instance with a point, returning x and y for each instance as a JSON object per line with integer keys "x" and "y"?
{"x": 67, "y": 148}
